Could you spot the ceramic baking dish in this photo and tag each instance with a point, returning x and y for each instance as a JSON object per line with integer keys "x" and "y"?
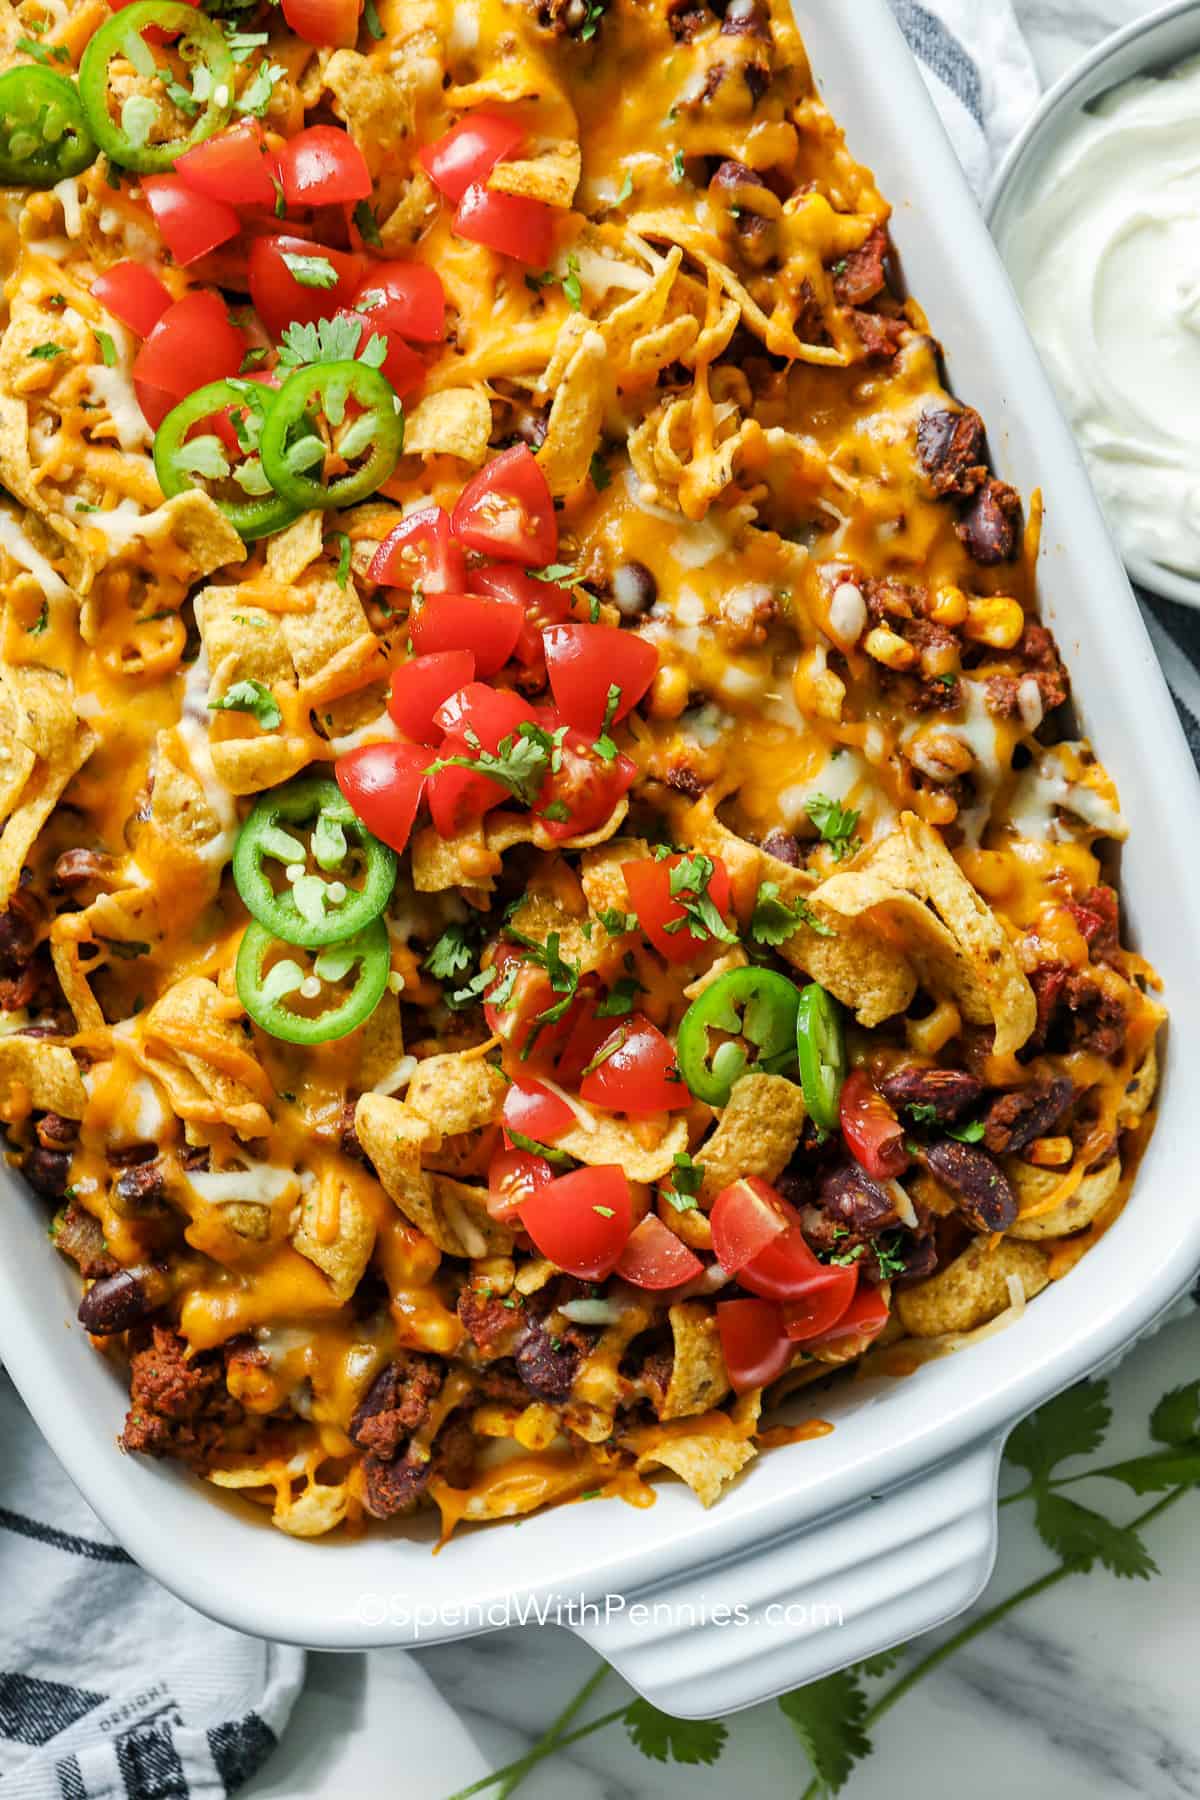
{"x": 834, "y": 1548}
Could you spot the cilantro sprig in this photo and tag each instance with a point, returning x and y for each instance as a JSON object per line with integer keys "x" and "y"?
{"x": 689, "y": 879}
{"x": 837, "y": 825}
{"x": 774, "y": 919}
{"x": 329, "y": 340}
{"x": 519, "y": 764}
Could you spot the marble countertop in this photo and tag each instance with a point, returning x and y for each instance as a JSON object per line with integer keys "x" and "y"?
{"x": 1087, "y": 1693}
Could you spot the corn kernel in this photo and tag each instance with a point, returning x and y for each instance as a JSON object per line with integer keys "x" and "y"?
{"x": 948, "y": 606}
{"x": 995, "y": 620}
{"x": 932, "y": 1033}
{"x": 940, "y": 755}
{"x": 936, "y": 806}
{"x": 537, "y": 1427}
{"x": 669, "y": 692}
{"x": 940, "y": 659}
{"x": 495, "y": 1421}
{"x": 1051, "y": 1152}
{"x": 889, "y": 648}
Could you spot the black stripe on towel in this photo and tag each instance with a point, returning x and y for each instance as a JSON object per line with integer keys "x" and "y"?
{"x": 940, "y": 50}
{"x": 150, "y": 1764}
{"x": 61, "y": 1540}
{"x": 70, "y": 1779}
{"x": 239, "y": 1748}
{"x": 33, "y": 1711}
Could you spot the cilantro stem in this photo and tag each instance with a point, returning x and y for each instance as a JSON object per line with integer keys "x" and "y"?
{"x": 985, "y": 1620}
{"x": 552, "y": 1736}
{"x": 1059, "y": 1481}
{"x": 514, "y": 1772}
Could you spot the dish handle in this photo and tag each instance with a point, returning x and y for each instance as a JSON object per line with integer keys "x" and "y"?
{"x": 798, "y": 1607}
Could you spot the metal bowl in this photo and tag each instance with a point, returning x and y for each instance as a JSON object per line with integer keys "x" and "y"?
{"x": 1150, "y": 46}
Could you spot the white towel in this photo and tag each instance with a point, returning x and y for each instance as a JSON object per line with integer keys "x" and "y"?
{"x": 110, "y": 1689}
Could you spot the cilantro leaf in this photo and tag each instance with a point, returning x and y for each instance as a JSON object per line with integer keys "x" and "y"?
{"x": 1176, "y": 1466}
{"x": 328, "y": 341}
{"x": 571, "y": 286}
{"x": 921, "y": 1113}
{"x": 775, "y": 919}
{"x": 254, "y": 101}
{"x": 828, "y": 1716}
{"x": 1083, "y": 1537}
{"x": 689, "y": 879}
{"x": 677, "y": 167}
{"x": 368, "y": 228}
{"x": 618, "y": 1002}
{"x": 599, "y": 471}
{"x": 203, "y": 456}
{"x": 970, "y": 1133}
{"x": 310, "y": 271}
{"x": 520, "y": 763}
{"x": 41, "y": 622}
{"x": 532, "y": 1147}
{"x": 591, "y": 20}
{"x": 616, "y": 922}
{"x": 452, "y": 954}
{"x": 626, "y": 189}
{"x": 687, "y": 1175}
{"x": 342, "y": 573}
{"x": 837, "y": 825}
{"x": 1176, "y": 1418}
{"x": 882, "y": 1664}
{"x": 46, "y": 352}
{"x": 1072, "y": 1424}
{"x": 664, "y": 1739}
{"x": 250, "y": 697}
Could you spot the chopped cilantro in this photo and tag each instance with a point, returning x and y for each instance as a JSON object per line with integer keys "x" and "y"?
{"x": 618, "y": 1002}
{"x": 689, "y": 881}
{"x": 837, "y": 825}
{"x": 970, "y": 1133}
{"x": 520, "y": 763}
{"x": 310, "y": 271}
{"x": 775, "y": 919}
{"x": 46, "y": 352}
{"x": 368, "y": 228}
{"x": 342, "y": 573}
{"x": 677, "y": 167}
{"x": 250, "y": 697}
{"x": 452, "y": 954}
{"x": 108, "y": 349}
{"x": 40, "y": 624}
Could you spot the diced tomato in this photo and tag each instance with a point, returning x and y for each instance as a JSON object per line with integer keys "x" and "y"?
{"x": 406, "y": 298}
{"x": 545, "y": 603}
{"x": 661, "y": 915}
{"x": 580, "y": 794}
{"x": 281, "y": 298}
{"x": 457, "y": 796}
{"x": 420, "y": 686}
{"x": 820, "y": 1309}
{"x": 535, "y": 1112}
{"x": 420, "y": 552}
{"x": 785, "y": 1269}
{"x": 192, "y": 344}
{"x": 191, "y": 224}
{"x": 133, "y": 293}
{"x": 587, "y": 1033}
{"x": 867, "y": 1314}
{"x": 745, "y": 1217}
{"x": 323, "y": 166}
{"x": 635, "y": 1072}
{"x": 488, "y": 713}
{"x": 512, "y": 224}
{"x": 753, "y": 1342}
{"x": 383, "y": 784}
{"x": 488, "y": 628}
{"x": 581, "y": 1221}
{"x": 874, "y": 1135}
{"x": 402, "y": 366}
{"x": 507, "y": 511}
{"x": 469, "y": 151}
{"x": 654, "y": 1258}
{"x": 531, "y": 1042}
{"x": 234, "y": 167}
{"x": 513, "y": 1177}
{"x": 597, "y": 673}
{"x": 333, "y": 22}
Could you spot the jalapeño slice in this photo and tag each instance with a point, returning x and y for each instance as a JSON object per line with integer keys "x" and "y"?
{"x": 236, "y": 482}
{"x": 353, "y": 876}
{"x": 135, "y": 138}
{"x": 744, "y": 1023}
{"x": 821, "y": 1048}
{"x": 338, "y": 993}
{"x": 44, "y": 133}
{"x": 367, "y": 441}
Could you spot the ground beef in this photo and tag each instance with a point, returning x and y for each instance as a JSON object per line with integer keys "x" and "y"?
{"x": 1014, "y": 1120}
{"x": 1039, "y": 652}
{"x": 950, "y": 446}
{"x": 499, "y": 1381}
{"x": 687, "y": 20}
{"x": 1097, "y": 914}
{"x": 810, "y": 315}
{"x": 79, "y": 1235}
{"x": 397, "y": 1403}
{"x": 180, "y": 1405}
{"x": 990, "y": 525}
{"x": 1097, "y": 1020}
{"x": 548, "y": 1363}
{"x": 685, "y": 781}
{"x": 393, "y": 1486}
{"x": 879, "y": 334}
{"x": 860, "y": 276}
{"x": 489, "y": 1318}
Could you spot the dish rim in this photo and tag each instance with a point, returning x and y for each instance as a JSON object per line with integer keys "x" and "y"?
{"x": 1032, "y": 145}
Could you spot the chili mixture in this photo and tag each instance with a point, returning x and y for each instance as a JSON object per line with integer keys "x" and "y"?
{"x": 552, "y": 894}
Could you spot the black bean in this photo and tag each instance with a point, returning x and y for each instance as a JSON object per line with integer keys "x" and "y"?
{"x": 634, "y": 589}
{"x": 114, "y": 1303}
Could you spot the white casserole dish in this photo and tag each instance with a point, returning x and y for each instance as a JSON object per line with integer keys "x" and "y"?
{"x": 890, "y": 1521}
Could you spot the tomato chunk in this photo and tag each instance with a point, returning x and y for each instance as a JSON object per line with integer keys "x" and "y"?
{"x": 234, "y": 167}
{"x": 133, "y": 293}
{"x": 507, "y": 511}
{"x": 786, "y": 1268}
{"x": 580, "y": 794}
{"x": 191, "y": 224}
{"x": 634, "y": 1071}
{"x": 513, "y": 1177}
{"x": 753, "y": 1342}
{"x": 406, "y": 298}
{"x": 597, "y": 673}
{"x": 874, "y": 1135}
{"x": 420, "y": 552}
{"x": 820, "y": 1309}
{"x": 420, "y": 686}
{"x": 581, "y": 1221}
{"x": 512, "y": 224}
{"x": 323, "y": 166}
{"x": 192, "y": 344}
{"x": 535, "y": 1112}
{"x": 487, "y": 713}
{"x": 333, "y": 22}
{"x": 867, "y": 1314}
{"x": 675, "y": 933}
{"x": 654, "y": 1258}
{"x": 488, "y": 628}
{"x": 383, "y": 783}
{"x": 295, "y": 281}
{"x": 469, "y": 151}
{"x": 545, "y": 603}
{"x": 745, "y": 1218}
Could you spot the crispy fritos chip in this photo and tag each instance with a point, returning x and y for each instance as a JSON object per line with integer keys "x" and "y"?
{"x": 699, "y": 1378}
{"x": 576, "y": 416}
{"x": 597, "y": 1389}
{"x": 1139, "y": 1094}
{"x": 457, "y": 421}
{"x": 707, "y": 1459}
{"x": 34, "y": 1073}
{"x": 971, "y": 1290}
{"x": 189, "y": 1041}
{"x": 452, "y": 1215}
{"x": 465, "y": 861}
{"x": 456, "y": 1093}
{"x": 1082, "y": 1201}
{"x": 551, "y": 176}
{"x": 616, "y": 1140}
{"x": 376, "y": 102}
{"x": 757, "y": 1133}
{"x": 335, "y": 1229}
{"x": 292, "y": 550}
{"x": 47, "y": 747}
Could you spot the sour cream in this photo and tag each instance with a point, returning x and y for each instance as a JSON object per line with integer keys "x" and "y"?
{"x": 1107, "y": 265}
